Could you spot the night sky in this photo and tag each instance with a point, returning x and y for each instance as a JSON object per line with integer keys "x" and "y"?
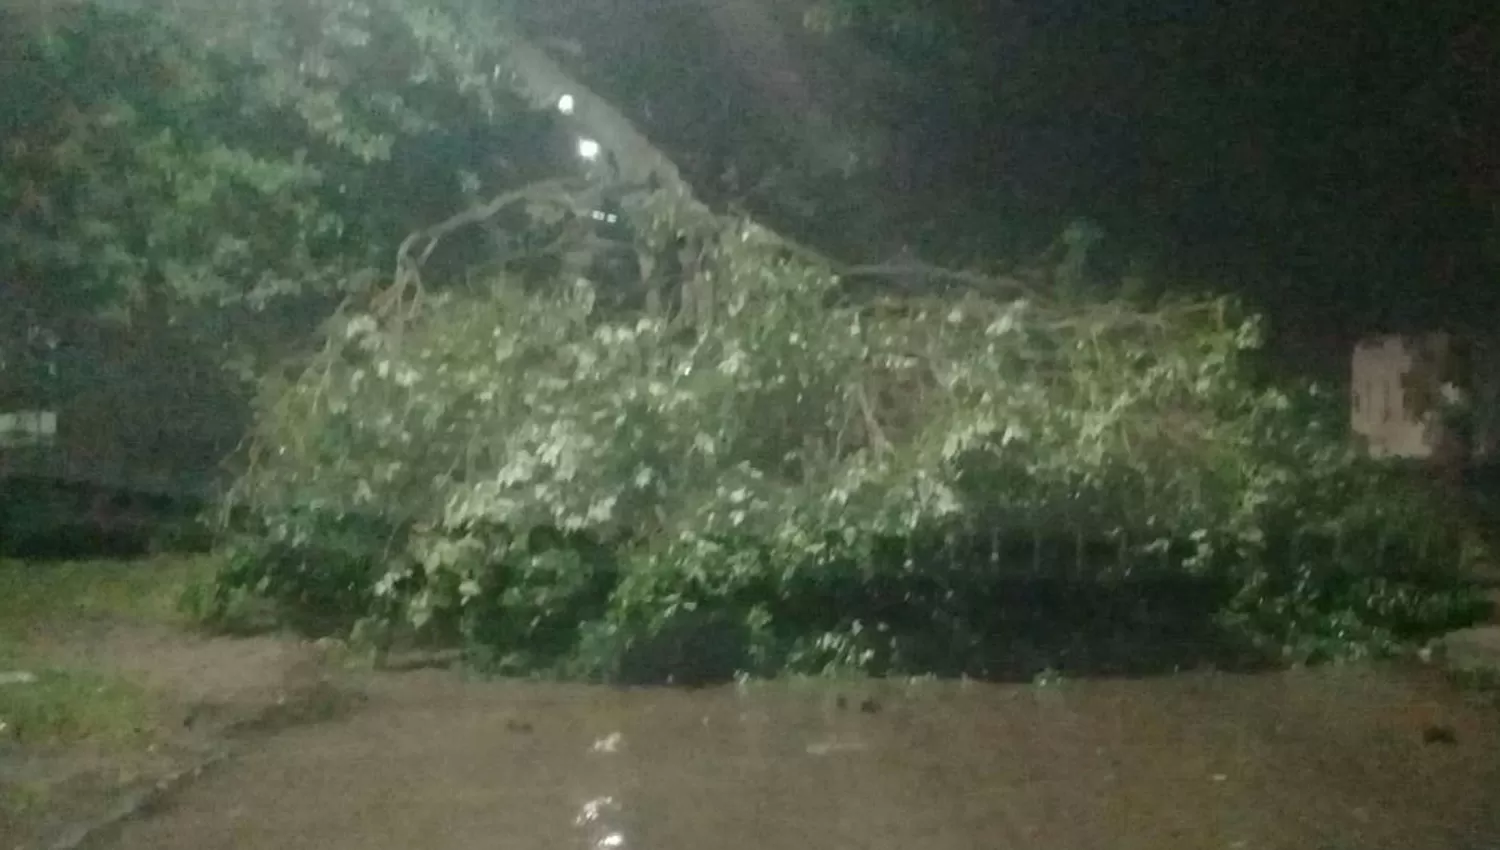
{"x": 1338, "y": 163}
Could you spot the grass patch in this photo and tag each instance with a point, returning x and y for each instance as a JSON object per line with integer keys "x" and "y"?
{"x": 66, "y": 706}
{"x": 45, "y": 596}
{"x": 22, "y": 798}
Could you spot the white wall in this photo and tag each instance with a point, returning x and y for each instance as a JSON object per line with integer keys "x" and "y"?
{"x": 1379, "y": 411}
{"x": 27, "y": 428}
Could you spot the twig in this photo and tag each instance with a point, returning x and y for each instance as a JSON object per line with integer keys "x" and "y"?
{"x": 878, "y": 439}
{"x": 408, "y": 267}
{"x": 930, "y": 272}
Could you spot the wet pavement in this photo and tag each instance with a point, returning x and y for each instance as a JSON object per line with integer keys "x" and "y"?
{"x": 1353, "y": 758}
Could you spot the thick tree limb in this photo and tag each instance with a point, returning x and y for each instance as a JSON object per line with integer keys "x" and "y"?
{"x": 543, "y": 82}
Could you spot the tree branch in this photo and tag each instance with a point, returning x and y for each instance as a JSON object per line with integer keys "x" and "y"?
{"x": 407, "y": 281}
{"x": 543, "y": 82}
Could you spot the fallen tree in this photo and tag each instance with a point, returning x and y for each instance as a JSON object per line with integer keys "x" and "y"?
{"x": 661, "y": 427}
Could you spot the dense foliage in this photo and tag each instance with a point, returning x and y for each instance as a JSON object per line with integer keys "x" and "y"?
{"x": 235, "y": 169}
{"x": 813, "y": 483}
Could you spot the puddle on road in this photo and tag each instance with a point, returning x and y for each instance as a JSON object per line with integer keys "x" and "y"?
{"x": 1335, "y": 758}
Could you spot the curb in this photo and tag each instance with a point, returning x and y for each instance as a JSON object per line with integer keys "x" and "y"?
{"x": 136, "y": 804}
{"x": 143, "y": 801}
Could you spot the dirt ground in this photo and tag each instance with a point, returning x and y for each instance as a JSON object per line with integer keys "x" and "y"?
{"x": 306, "y": 754}
{"x": 1357, "y": 758}
{"x": 203, "y": 691}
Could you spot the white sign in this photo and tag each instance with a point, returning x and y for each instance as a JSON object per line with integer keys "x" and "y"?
{"x": 28, "y": 428}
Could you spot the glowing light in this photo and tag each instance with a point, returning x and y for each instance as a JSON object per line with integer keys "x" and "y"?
{"x": 588, "y": 149}
{"x": 565, "y": 104}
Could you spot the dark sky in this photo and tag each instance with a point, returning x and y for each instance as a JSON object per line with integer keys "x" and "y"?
{"x": 1339, "y": 161}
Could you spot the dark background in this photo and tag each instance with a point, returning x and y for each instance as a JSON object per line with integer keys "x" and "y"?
{"x": 1338, "y": 163}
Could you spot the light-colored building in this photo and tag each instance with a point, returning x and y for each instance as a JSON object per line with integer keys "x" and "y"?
{"x": 1381, "y": 412}
{"x": 27, "y": 428}
{"x": 1431, "y": 396}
